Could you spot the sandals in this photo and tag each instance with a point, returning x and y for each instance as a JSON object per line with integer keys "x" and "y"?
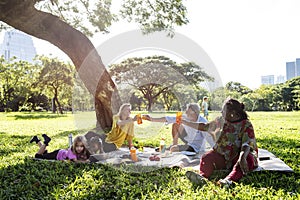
{"x": 226, "y": 183}
{"x": 196, "y": 178}
{"x": 199, "y": 180}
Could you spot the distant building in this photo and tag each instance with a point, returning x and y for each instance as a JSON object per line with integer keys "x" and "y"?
{"x": 18, "y": 44}
{"x": 297, "y": 66}
{"x": 292, "y": 69}
{"x": 211, "y": 86}
{"x": 267, "y": 80}
{"x": 280, "y": 79}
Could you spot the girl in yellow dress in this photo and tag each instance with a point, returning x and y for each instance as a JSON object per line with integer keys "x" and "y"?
{"x": 122, "y": 129}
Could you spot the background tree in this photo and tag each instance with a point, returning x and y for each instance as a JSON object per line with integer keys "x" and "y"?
{"x": 265, "y": 94}
{"x": 15, "y": 82}
{"x": 169, "y": 99}
{"x": 82, "y": 100}
{"x": 276, "y": 101}
{"x": 290, "y": 93}
{"x": 296, "y": 97}
{"x": 67, "y": 23}
{"x": 155, "y": 75}
{"x": 237, "y": 87}
{"x": 187, "y": 94}
{"x": 278, "y": 97}
{"x": 36, "y": 101}
{"x": 217, "y": 98}
{"x": 136, "y": 101}
{"x": 201, "y": 93}
{"x": 56, "y": 76}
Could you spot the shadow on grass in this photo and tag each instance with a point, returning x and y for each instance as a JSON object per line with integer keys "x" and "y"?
{"x": 37, "y": 116}
{"x": 11, "y": 143}
{"x": 34, "y": 179}
{"x": 288, "y": 151}
{"x": 286, "y": 182}
{"x": 285, "y": 149}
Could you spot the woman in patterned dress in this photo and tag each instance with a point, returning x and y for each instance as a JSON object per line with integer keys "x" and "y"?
{"x": 235, "y": 148}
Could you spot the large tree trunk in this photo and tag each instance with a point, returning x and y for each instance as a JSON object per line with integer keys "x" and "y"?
{"x": 22, "y": 15}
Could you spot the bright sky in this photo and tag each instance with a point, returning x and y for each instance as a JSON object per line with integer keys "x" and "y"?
{"x": 245, "y": 39}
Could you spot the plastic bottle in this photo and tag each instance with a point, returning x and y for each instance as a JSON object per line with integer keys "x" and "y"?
{"x": 178, "y": 117}
{"x": 162, "y": 145}
{"x": 139, "y": 119}
{"x": 70, "y": 140}
{"x": 133, "y": 154}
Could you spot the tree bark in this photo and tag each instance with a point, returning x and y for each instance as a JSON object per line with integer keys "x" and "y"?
{"x": 57, "y": 102}
{"x": 23, "y": 16}
{"x": 53, "y": 105}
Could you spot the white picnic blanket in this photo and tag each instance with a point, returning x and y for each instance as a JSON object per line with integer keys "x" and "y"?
{"x": 267, "y": 160}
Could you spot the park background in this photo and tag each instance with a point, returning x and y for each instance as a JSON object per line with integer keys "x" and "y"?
{"x": 27, "y": 98}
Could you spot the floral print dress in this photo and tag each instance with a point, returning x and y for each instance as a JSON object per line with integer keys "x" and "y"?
{"x": 232, "y": 136}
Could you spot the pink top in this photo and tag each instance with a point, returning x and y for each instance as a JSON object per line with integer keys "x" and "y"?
{"x": 65, "y": 154}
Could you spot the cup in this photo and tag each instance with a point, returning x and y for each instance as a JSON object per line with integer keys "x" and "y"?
{"x": 178, "y": 117}
{"x": 133, "y": 154}
{"x": 162, "y": 147}
{"x": 139, "y": 119}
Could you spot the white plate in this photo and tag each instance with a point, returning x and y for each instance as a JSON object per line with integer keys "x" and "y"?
{"x": 188, "y": 153}
{"x": 144, "y": 155}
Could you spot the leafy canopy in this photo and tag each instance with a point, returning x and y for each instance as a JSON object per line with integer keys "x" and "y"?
{"x": 57, "y": 77}
{"x": 15, "y": 82}
{"x": 96, "y": 16}
{"x": 157, "y": 69}
{"x": 156, "y": 75}
{"x": 55, "y": 74}
{"x": 155, "y": 15}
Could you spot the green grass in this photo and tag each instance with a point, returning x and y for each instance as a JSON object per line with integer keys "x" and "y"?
{"x": 24, "y": 178}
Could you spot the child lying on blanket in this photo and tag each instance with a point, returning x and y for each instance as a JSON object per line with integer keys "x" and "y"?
{"x": 77, "y": 153}
{"x": 95, "y": 145}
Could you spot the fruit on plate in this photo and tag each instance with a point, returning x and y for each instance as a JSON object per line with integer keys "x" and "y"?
{"x": 154, "y": 158}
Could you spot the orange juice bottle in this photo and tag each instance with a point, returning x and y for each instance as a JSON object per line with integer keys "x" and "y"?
{"x": 178, "y": 117}
{"x": 139, "y": 119}
{"x": 133, "y": 154}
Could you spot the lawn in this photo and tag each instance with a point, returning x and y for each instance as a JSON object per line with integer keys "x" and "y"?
{"x": 24, "y": 178}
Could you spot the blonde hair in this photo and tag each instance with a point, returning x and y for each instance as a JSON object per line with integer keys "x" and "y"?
{"x": 122, "y": 108}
